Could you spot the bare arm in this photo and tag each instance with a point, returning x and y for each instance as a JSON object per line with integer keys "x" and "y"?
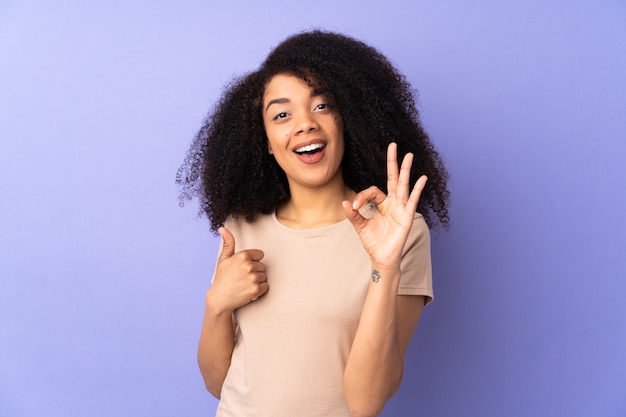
{"x": 239, "y": 279}
{"x": 215, "y": 349}
{"x": 376, "y": 362}
{"x": 374, "y": 368}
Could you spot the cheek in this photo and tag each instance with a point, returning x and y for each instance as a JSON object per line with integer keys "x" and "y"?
{"x": 276, "y": 138}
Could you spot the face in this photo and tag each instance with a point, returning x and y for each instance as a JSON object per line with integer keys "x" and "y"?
{"x": 304, "y": 132}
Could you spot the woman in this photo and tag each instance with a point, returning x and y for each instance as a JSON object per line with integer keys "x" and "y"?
{"x": 321, "y": 276}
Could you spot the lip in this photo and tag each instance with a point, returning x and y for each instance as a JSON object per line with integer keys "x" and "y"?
{"x": 309, "y": 142}
{"x": 311, "y": 159}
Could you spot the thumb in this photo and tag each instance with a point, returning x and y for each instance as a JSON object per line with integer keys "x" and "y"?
{"x": 228, "y": 247}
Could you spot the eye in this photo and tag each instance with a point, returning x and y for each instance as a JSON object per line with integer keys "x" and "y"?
{"x": 280, "y": 115}
{"x": 321, "y": 106}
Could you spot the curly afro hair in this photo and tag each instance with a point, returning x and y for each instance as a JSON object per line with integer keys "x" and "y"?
{"x": 229, "y": 168}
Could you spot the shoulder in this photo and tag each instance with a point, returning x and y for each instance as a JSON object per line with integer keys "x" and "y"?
{"x": 417, "y": 245}
{"x": 419, "y": 233}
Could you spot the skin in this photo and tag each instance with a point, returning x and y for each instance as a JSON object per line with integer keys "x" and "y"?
{"x": 293, "y": 116}
{"x": 374, "y": 368}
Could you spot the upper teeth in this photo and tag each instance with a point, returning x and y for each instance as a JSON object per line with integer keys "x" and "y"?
{"x": 309, "y": 148}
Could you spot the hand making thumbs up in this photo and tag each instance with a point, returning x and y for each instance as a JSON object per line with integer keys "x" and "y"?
{"x": 239, "y": 276}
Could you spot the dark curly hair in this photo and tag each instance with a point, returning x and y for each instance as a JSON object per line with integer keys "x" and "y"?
{"x": 229, "y": 168}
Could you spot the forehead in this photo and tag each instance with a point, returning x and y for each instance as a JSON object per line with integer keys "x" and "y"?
{"x": 281, "y": 84}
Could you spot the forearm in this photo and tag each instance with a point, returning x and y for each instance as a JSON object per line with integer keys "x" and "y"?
{"x": 374, "y": 367}
{"x": 215, "y": 349}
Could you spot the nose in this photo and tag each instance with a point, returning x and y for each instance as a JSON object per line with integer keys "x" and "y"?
{"x": 306, "y": 123}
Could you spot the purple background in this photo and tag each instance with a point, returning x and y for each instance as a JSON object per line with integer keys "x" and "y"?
{"x": 103, "y": 276}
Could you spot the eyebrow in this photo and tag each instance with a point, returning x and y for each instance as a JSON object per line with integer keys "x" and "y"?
{"x": 284, "y": 100}
{"x": 276, "y": 101}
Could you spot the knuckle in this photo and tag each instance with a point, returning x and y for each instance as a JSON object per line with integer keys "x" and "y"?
{"x": 242, "y": 256}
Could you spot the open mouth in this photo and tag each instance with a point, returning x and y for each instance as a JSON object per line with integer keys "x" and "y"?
{"x": 310, "y": 149}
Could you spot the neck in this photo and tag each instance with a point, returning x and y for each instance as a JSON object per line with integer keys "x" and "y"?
{"x": 315, "y": 207}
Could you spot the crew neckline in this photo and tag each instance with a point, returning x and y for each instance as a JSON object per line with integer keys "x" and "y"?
{"x": 318, "y": 229}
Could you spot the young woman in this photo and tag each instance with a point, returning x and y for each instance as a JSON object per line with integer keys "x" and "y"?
{"x": 324, "y": 265}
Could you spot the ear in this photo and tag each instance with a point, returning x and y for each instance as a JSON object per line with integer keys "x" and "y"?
{"x": 269, "y": 148}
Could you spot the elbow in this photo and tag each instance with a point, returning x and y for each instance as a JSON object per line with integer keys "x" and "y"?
{"x": 212, "y": 382}
{"x": 370, "y": 402}
{"x": 369, "y": 405}
{"x": 213, "y": 386}
{"x": 213, "y": 390}
{"x": 357, "y": 411}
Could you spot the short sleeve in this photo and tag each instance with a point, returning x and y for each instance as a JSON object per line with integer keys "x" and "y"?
{"x": 416, "y": 264}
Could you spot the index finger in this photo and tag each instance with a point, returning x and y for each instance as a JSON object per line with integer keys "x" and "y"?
{"x": 254, "y": 254}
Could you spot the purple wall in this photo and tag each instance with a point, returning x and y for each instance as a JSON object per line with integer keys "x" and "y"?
{"x": 103, "y": 276}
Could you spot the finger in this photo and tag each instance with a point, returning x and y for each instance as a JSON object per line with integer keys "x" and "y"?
{"x": 392, "y": 169}
{"x": 253, "y": 254}
{"x": 258, "y": 267}
{"x": 261, "y": 278}
{"x": 417, "y": 192}
{"x": 372, "y": 193}
{"x": 351, "y": 213}
{"x": 402, "y": 190}
{"x": 261, "y": 289}
{"x": 228, "y": 243}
